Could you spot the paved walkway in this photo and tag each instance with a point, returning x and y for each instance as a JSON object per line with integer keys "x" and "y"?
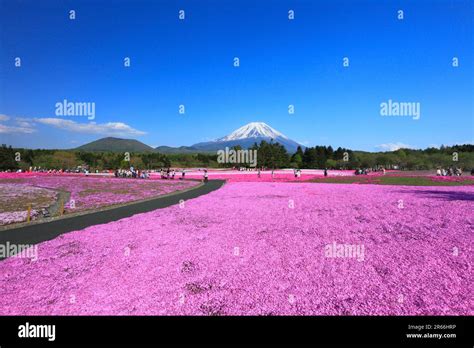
{"x": 40, "y": 232}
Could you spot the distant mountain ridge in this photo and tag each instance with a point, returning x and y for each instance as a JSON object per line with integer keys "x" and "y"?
{"x": 245, "y": 136}
{"x": 180, "y": 149}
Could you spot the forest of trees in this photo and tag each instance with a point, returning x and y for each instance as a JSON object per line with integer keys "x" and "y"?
{"x": 269, "y": 155}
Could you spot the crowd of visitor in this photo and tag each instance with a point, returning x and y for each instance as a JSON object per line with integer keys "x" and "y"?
{"x": 449, "y": 172}
{"x": 171, "y": 173}
{"x": 132, "y": 173}
{"x": 44, "y": 170}
{"x": 366, "y": 171}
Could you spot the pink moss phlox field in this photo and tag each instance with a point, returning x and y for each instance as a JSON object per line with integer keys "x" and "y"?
{"x": 95, "y": 192}
{"x": 266, "y": 176}
{"x": 259, "y": 249}
{"x": 15, "y": 199}
{"x": 15, "y": 175}
{"x": 11, "y": 217}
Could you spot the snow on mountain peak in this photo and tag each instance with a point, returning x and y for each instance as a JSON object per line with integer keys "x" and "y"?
{"x": 253, "y": 130}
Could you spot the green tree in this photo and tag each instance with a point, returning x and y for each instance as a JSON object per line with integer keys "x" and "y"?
{"x": 7, "y": 158}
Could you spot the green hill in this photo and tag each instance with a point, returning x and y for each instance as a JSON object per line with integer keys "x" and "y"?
{"x": 111, "y": 144}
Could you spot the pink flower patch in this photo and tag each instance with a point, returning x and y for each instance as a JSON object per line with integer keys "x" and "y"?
{"x": 262, "y": 249}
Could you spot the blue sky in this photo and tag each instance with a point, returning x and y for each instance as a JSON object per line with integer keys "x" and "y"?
{"x": 282, "y": 62}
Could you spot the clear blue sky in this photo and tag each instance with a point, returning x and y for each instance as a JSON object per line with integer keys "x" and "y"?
{"x": 283, "y": 62}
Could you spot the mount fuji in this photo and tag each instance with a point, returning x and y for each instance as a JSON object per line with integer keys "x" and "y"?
{"x": 248, "y": 135}
{"x": 245, "y": 136}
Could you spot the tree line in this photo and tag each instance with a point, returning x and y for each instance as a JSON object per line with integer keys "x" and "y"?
{"x": 269, "y": 155}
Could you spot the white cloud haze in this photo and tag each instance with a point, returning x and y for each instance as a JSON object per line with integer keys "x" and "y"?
{"x": 20, "y": 127}
{"x": 393, "y": 146}
{"x": 13, "y": 129}
{"x": 110, "y": 128}
{"x": 28, "y": 126}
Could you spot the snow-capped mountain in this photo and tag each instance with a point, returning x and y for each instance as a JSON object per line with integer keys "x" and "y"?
{"x": 253, "y": 130}
{"x": 248, "y": 135}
